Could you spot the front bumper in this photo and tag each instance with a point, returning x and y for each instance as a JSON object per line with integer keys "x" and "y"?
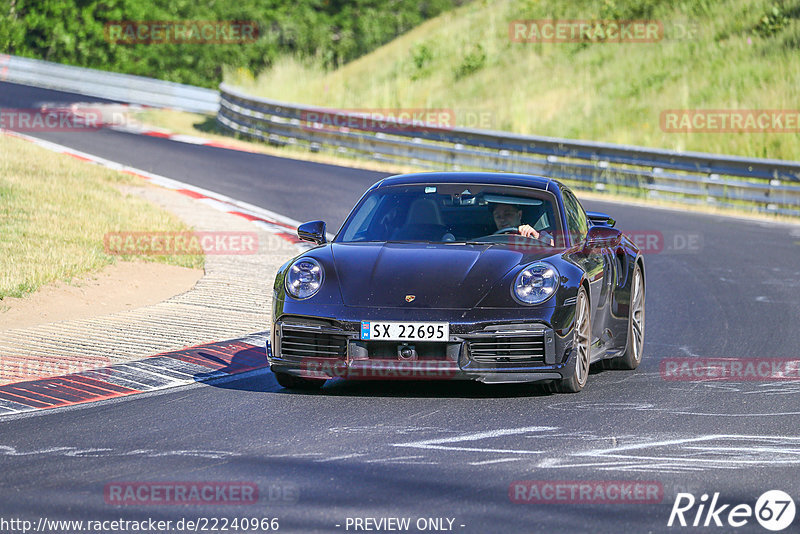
{"x": 488, "y": 352}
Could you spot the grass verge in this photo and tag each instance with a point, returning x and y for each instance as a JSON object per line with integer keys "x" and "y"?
{"x": 54, "y": 212}
{"x": 714, "y": 54}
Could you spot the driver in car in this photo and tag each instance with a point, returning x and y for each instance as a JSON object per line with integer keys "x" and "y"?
{"x": 509, "y": 216}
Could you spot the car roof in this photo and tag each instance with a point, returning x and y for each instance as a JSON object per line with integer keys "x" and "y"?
{"x": 524, "y": 180}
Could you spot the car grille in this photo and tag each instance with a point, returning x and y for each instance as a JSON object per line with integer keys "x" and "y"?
{"x": 297, "y": 343}
{"x": 510, "y": 349}
{"x": 387, "y": 350}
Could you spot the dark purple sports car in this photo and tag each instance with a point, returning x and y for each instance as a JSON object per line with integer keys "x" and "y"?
{"x": 457, "y": 275}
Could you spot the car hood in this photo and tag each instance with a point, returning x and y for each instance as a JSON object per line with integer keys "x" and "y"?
{"x": 437, "y": 275}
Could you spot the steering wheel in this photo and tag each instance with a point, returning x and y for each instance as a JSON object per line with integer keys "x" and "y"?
{"x": 515, "y": 230}
{"x": 507, "y": 230}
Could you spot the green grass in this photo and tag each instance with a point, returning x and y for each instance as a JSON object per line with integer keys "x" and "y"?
{"x": 745, "y": 55}
{"x": 54, "y": 212}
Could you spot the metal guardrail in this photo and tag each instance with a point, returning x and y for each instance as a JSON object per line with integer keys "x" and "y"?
{"x": 765, "y": 185}
{"x": 108, "y": 85}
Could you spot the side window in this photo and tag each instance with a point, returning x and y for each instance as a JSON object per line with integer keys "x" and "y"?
{"x": 576, "y": 218}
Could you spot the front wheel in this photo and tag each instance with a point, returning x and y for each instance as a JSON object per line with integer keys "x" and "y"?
{"x": 582, "y": 347}
{"x": 295, "y": 382}
{"x": 632, "y": 356}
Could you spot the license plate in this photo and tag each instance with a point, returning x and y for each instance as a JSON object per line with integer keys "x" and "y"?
{"x": 404, "y": 331}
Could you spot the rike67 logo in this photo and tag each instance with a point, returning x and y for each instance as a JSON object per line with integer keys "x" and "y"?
{"x": 774, "y": 510}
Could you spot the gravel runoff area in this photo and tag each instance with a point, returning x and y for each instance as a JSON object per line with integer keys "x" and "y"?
{"x": 232, "y": 299}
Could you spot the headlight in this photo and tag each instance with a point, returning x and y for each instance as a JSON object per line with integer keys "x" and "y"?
{"x": 304, "y": 278}
{"x": 536, "y": 283}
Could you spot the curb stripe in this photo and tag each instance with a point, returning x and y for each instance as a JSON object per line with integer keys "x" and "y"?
{"x": 51, "y": 391}
{"x": 26, "y": 397}
{"x": 7, "y": 406}
{"x": 109, "y": 382}
{"x": 86, "y": 381}
{"x": 11, "y": 396}
{"x": 83, "y": 388}
{"x": 161, "y": 371}
{"x": 182, "y": 138}
{"x": 189, "y": 193}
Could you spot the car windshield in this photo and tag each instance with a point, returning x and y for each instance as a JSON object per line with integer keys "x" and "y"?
{"x": 453, "y": 213}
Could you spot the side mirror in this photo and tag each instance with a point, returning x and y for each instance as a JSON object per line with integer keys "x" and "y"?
{"x": 313, "y": 231}
{"x": 601, "y": 219}
{"x": 601, "y": 237}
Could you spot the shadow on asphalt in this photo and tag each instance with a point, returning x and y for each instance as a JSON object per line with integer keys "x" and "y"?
{"x": 265, "y": 383}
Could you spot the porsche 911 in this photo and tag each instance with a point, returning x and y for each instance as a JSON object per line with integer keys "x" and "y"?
{"x": 498, "y": 278}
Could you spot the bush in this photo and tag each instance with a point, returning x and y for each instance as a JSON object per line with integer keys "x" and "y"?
{"x": 772, "y": 22}
{"x": 472, "y": 62}
{"x": 336, "y": 31}
{"x": 421, "y": 60}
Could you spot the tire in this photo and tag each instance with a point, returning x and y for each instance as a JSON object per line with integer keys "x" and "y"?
{"x": 295, "y": 382}
{"x": 632, "y": 356}
{"x": 582, "y": 347}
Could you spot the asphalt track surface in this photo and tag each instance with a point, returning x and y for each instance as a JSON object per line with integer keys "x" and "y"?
{"x": 451, "y": 450}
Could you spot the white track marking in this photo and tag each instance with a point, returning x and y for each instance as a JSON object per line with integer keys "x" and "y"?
{"x": 500, "y": 460}
{"x": 709, "y": 452}
{"x": 392, "y": 460}
{"x": 7, "y": 450}
{"x": 443, "y": 443}
{"x": 337, "y": 458}
{"x": 293, "y": 455}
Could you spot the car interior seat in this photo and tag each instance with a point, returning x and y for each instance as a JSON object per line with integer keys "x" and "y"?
{"x": 423, "y": 222}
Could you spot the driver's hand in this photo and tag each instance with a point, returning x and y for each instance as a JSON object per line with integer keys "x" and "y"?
{"x": 527, "y": 230}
